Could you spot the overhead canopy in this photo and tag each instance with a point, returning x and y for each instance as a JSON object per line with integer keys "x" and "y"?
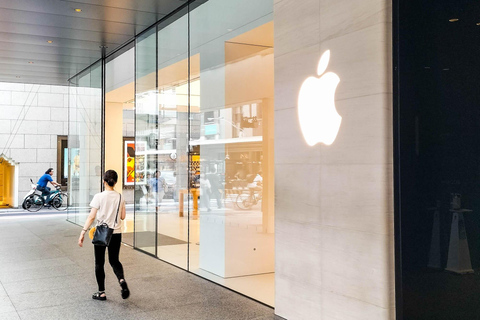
{"x": 48, "y": 41}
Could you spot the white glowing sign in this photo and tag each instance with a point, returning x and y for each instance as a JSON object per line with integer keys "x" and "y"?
{"x": 319, "y": 120}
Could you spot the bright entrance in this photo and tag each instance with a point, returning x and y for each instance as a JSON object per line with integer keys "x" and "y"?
{"x": 7, "y": 183}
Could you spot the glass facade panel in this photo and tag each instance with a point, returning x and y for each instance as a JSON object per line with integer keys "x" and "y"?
{"x": 231, "y": 73}
{"x": 197, "y": 157}
{"x": 84, "y": 141}
{"x": 144, "y": 152}
{"x": 439, "y": 162}
{"x": 120, "y": 129}
{"x": 172, "y": 140}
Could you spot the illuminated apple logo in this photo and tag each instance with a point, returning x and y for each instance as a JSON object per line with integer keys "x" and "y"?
{"x": 318, "y": 117}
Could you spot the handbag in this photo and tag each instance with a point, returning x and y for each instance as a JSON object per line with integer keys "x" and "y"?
{"x": 103, "y": 233}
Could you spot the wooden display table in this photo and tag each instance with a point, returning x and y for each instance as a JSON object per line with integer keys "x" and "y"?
{"x": 195, "y": 193}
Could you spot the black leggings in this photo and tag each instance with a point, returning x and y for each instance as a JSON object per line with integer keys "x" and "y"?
{"x": 113, "y": 252}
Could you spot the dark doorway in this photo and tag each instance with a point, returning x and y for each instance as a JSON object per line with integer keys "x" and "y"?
{"x": 438, "y": 159}
{"x": 62, "y": 160}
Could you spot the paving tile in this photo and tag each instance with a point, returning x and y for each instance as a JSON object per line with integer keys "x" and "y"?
{"x": 51, "y": 298}
{"x": 85, "y": 310}
{"x": 47, "y": 284}
{"x": 10, "y": 316}
{"x": 30, "y": 253}
{"x": 26, "y": 265}
{"x": 3, "y": 293}
{"x": 39, "y": 273}
{"x": 53, "y": 278}
{"x": 6, "y": 306}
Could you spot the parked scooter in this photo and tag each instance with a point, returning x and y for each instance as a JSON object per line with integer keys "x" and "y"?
{"x": 32, "y": 190}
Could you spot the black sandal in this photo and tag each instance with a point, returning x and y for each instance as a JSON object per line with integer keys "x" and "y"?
{"x": 125, "y": 292}
{"x": 98, "y": 295}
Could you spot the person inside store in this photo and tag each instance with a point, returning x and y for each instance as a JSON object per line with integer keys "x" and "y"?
{"x": 216, "y": 186}
{"x": 205, "y": 189}
{"x": 157, "y": 187}
{"x": 43, "y": 182}
{"x": 107, "y": 207}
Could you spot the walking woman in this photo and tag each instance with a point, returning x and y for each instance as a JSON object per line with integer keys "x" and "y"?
{"x": 105, "y": 206}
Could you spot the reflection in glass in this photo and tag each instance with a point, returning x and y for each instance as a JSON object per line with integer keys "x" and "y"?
{"x": 120, "y": 131}
{"x": 144, "y": 152}
{"x": 439, "y": 146}
{"x": 172, "y": 140}
{"x": 84, "y": 141}
{"x": 231, "y": 165}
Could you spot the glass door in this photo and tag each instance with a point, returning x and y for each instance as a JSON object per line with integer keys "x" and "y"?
{"x": 170, "y": 182}
{"x": 142, "y": 155}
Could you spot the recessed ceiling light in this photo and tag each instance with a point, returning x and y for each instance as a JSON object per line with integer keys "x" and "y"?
{"x": 478, "y": 23}
{"x": 50, "y": 41}
{"x": 78, "y": 10}
{"x": 453, "y": 20}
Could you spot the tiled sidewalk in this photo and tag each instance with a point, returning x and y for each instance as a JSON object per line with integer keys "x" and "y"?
{"x": 45, "y": 275}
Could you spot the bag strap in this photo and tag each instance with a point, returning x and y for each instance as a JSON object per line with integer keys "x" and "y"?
{"x": 119, "y": 202}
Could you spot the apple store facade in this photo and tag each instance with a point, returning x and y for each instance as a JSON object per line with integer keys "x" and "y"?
{"x": 294, "y": 152}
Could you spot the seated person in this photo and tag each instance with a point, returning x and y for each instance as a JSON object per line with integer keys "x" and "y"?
{"x": 43, "y": 181}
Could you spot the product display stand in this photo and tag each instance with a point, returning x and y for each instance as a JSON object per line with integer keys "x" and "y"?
{"x": 195, "y": 193}
{"x": 458, "y": 252}
{"x": 434, "y": 258}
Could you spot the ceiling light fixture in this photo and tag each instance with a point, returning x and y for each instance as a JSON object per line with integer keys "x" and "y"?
{"x": 50, "y": 41}
{"x": 478, "y": 23}
{"x": 453, "y": 20}
{"x": 78, "y": 10}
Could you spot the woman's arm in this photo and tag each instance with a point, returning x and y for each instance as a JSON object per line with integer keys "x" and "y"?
{"x": 88, "y": 223}
{"x": 124, "y": 211}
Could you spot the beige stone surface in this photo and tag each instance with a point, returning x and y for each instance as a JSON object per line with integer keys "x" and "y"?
{"x": 334, "y": 204}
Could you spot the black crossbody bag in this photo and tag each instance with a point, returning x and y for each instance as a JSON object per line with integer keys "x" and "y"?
{"x": 103, "y": 233}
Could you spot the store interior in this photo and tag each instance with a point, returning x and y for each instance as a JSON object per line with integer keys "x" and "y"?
{"x": 215, "y": 216}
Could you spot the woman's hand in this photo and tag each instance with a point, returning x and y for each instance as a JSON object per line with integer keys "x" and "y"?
{"x": 80, "y": 239}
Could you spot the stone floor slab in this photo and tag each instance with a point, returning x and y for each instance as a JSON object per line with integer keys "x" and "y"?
{"x": 54, "y": 279}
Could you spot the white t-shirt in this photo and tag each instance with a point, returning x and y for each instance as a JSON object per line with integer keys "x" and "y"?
{"x": 106, "y": 203}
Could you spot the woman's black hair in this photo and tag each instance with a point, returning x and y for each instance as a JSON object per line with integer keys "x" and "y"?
{"x": 49, "y": 170}
{"x": 110, "y": 177}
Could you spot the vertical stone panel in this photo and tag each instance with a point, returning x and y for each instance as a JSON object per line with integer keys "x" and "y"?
{"x": 334, "y": 204}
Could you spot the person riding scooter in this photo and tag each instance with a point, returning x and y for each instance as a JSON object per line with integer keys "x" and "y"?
{"x": 42, "y": 184}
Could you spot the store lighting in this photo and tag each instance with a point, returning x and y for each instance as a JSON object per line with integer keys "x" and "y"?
{"x": 453, "y": 20}
{"x": 78, "y": 10}
{"x": 50, "y": 41}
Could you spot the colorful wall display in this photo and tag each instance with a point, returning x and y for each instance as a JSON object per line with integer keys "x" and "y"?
{"x": 134, "y": 163}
